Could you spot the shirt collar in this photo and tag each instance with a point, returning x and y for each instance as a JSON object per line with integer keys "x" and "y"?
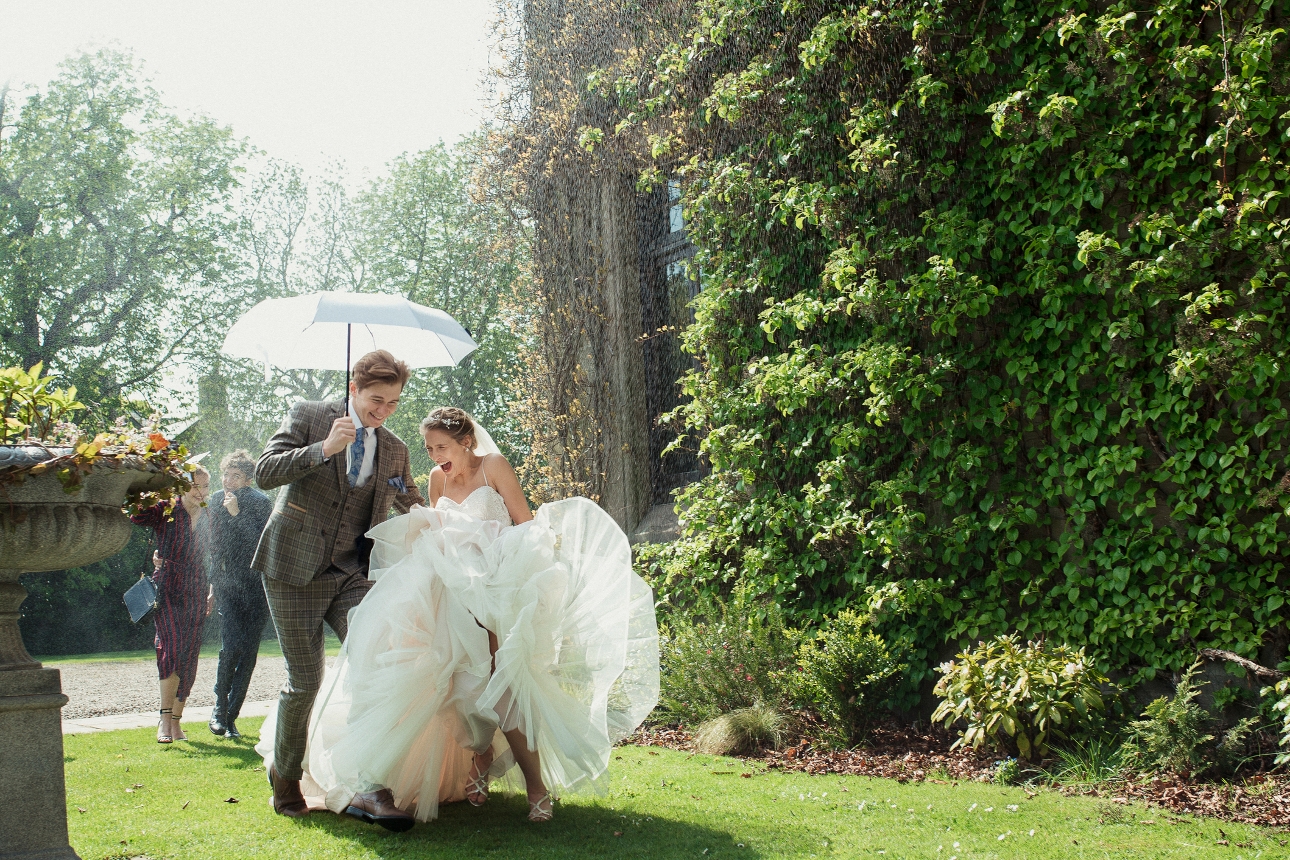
{"x": 353, "y": 414}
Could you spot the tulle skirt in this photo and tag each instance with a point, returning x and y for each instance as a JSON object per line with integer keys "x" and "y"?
{"x": 415, "y": 691}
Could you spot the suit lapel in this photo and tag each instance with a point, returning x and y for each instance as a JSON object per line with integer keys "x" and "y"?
{"x": 382, "y": 461}
{"x": 340, "y": 463}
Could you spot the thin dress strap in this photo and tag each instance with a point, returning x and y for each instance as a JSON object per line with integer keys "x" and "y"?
{"x": 485, "y": 471}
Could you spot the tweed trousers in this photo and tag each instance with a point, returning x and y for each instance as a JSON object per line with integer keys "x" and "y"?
{"x": 298, "y": 613}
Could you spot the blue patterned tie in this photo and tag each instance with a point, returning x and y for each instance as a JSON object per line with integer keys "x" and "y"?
{"x": 356, "y": 456}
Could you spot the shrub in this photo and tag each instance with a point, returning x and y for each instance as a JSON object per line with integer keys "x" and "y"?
{"x": 726, "y": 656}
{"x": 1282, "y": 706}
{"x": 1170, "y": 736}
{"x": 741, "y": 731}
{"x": 1002, "y": 690}
{"x": 847, "y": 674}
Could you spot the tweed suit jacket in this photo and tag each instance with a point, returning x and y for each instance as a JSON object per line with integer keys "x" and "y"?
{"x": 296, "y": 546}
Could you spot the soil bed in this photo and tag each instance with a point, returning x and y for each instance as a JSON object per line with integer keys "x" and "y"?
{"x": 905, "y": 755}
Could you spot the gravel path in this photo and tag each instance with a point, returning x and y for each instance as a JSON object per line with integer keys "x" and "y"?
{"x": 130, "y": 686}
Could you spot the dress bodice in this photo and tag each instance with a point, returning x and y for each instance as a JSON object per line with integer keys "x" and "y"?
{"x": 485, "y": 503}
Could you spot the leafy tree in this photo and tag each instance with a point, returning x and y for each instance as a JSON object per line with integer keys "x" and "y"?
{"x": 112, "y": 214}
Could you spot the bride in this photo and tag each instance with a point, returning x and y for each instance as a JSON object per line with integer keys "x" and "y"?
{"x": 491, "y": 639}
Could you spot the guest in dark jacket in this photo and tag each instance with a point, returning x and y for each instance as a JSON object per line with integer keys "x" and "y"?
{"x": 238, "y": 514}
{"x": 183, "y": 601}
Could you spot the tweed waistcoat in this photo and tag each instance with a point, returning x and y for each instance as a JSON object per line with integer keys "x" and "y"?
{"x": 350, "y": 550}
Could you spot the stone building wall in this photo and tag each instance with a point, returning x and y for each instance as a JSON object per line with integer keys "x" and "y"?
{"x": 605, "y": 274}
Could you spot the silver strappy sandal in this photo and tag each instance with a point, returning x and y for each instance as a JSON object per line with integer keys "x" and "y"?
{"x": 542, "y": 809}
{"x": 477, "y": 787}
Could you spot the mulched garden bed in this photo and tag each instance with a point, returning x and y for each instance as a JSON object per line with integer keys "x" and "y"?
{"x": 903, "y": 754}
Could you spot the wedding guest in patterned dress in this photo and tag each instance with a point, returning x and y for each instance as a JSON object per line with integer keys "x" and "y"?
{"x": 183, "y": 598}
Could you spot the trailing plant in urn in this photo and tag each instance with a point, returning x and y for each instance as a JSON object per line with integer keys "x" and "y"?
{"x": 35, "y": 415}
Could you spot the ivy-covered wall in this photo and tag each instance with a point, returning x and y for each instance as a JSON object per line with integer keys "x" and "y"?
{"x": 994, "y": 323}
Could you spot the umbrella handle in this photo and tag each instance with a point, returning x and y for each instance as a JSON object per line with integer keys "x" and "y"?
{"x": 349, "y": 340}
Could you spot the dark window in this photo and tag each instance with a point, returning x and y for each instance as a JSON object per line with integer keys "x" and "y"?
{"x": 669, "y": 283}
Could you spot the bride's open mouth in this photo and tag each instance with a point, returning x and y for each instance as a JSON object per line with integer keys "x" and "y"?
{"x": 447, "y": 467}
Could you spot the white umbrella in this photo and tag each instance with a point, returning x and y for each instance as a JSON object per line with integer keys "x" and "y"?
{"x": 324, "y": 331}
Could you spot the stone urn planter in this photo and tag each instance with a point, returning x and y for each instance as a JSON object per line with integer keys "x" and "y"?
{"x": 42, "y": 527}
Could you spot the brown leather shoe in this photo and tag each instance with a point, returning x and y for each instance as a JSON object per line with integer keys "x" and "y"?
{"x": 377, "y": 807}
{"x": 287, "y": 799}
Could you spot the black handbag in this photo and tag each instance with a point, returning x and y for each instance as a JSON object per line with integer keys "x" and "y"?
{"x": 141, "y": 599}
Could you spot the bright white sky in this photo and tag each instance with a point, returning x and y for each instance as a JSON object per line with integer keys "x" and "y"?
{"x": 308, "y": 82}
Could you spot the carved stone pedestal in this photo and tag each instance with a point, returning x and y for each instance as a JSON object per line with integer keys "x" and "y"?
{"x": 33, "y": 804}
{"x": 44, "y": 528}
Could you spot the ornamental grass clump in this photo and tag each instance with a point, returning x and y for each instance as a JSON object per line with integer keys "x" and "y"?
{"x": 847, "y": 675}
{"x": 741, "y": 731}
{"x": 1089, "y": 762}
{"x": 1009, "y": 695}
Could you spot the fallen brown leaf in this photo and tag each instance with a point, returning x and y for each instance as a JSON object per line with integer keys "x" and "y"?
{"x": 231, "y": 800}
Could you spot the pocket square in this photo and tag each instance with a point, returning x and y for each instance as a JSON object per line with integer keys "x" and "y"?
{"x": 397, "y": 483}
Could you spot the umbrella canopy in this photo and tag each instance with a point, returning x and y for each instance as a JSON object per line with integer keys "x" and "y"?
{"x": 323, "y": 330}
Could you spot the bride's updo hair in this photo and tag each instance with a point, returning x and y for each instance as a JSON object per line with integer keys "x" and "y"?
{"x": 457, "y": 423}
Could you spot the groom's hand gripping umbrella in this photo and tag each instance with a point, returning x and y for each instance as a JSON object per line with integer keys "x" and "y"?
{"x": 324, "y": 330}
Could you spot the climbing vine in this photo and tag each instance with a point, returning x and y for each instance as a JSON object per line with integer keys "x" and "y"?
{"x": 993, "y": 334}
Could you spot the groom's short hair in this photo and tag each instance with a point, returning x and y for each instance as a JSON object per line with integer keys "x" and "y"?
{"x": 380, "y": 366}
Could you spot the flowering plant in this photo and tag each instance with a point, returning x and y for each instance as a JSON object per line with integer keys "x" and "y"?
{"x": 35, "y": 415}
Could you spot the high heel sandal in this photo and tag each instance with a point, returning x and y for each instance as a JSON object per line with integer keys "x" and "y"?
{"x": 537, "y": 813}
{"x": 478, "y": 785}
{"x": 163, "y": 730}
{"x": 176, "y": 732}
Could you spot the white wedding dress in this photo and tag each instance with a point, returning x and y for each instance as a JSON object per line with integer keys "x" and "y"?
{"x": 414, "y": 693}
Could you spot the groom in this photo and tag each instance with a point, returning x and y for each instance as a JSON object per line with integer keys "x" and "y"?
{"x": 342, "y": 471}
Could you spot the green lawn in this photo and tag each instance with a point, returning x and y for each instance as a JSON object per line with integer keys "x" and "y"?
{"x": 268, "y": 648}
{"x": 128, "y": 797}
